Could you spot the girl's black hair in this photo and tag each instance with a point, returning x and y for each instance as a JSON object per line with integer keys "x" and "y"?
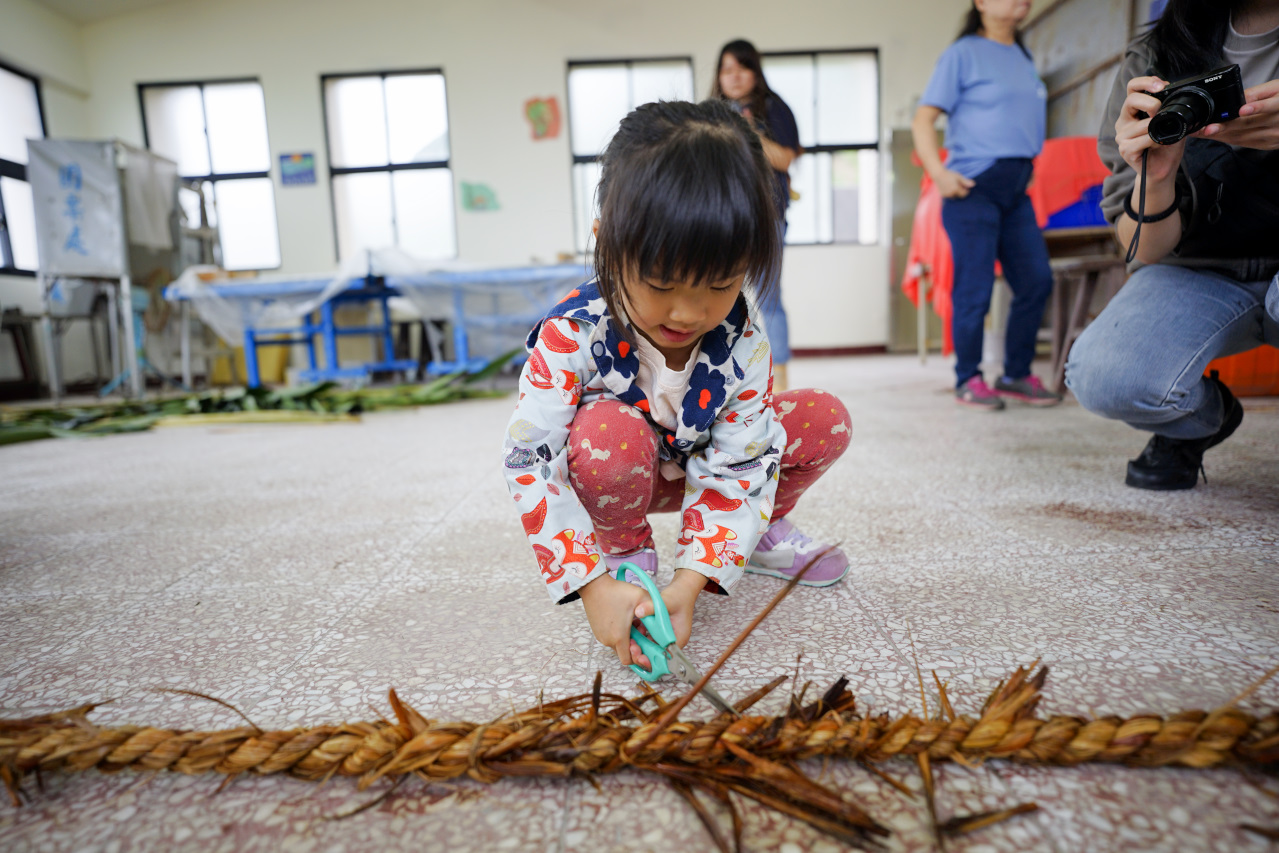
{"x": 747, "y": 57}
{"x": 1188, "y": 38}
{"x": 972, "y": 25}
{"x": 686, "y": 194}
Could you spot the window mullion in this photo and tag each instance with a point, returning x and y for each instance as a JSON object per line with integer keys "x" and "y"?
{"x": 204, "y": 116}
{"x": 7, "y": 260}
{"x": 390, "y": 177}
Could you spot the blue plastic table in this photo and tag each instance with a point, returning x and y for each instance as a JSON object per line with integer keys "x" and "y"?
{"x": 473, "y": 300}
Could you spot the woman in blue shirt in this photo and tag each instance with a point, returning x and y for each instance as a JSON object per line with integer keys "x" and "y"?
{"x": 996, "y": 108}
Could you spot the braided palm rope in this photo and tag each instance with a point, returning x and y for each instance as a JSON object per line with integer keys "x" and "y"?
{"x": 573, "y": 736}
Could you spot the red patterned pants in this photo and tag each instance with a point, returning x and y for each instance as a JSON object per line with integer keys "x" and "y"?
{"x": 613, "y": 463}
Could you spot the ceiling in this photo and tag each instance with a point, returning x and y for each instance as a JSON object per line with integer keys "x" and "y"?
{"x": 92, "y": 11}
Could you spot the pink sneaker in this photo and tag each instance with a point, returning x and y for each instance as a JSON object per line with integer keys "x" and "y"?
{"x": 1028, "y": 390}
{"x": 976, "y": 394}
{"x": 644, "y": 558}
{"x": 783, "y": 551}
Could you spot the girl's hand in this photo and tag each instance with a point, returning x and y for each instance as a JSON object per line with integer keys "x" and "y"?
{"x": 952, "y": 184}
{"x": 1258, "y": 122}
{"x": 680, "y": 597}
{"x": 1132, "y": 132}
{"x": 611, "y": 607}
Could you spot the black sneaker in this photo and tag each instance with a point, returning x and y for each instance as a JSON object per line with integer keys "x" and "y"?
{"x": 1168, "y": 464}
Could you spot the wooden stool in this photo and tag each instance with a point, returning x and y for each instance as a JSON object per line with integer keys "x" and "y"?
{"x": 1075, "y": 283}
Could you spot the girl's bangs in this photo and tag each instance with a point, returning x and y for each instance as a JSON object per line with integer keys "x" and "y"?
{"x": 691, "y": 222}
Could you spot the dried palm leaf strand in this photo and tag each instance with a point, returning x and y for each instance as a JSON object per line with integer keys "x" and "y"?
{"x": 567, "y": 737}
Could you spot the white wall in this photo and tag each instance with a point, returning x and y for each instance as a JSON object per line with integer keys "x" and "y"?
{"x": 495, "y": 54}
{"x": 42, "y": 43}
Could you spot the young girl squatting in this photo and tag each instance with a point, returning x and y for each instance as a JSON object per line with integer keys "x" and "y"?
{"x": 649, "y": 389}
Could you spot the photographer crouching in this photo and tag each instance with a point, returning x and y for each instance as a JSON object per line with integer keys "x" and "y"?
{"x": 1202, "y": 230}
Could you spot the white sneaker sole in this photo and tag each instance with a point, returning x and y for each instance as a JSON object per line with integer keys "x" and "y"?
{"x": 774, "y": 573}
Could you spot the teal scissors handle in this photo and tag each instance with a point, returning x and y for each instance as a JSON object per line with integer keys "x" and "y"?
{"x": 658, "y": 626}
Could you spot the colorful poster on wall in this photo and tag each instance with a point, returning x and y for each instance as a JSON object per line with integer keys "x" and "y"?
{"x": 297, "y": 169}
{"x": 543, "y": 116}
{"x": 478, "y": 197}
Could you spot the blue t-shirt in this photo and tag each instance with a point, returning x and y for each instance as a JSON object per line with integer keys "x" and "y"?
{"x": 995, "y": 103}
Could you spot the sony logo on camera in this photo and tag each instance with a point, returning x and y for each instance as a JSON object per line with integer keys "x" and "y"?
{"x": 1192, "y": 103}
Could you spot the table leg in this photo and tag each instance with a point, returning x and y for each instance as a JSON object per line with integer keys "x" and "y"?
{"x": 328, "y": 328}
{"x": 186, "y": 343}
{"x": 1057, "y": 323}
{"x": 309, "y": 324}
{"x": 921, "y": 317}
{"x": 130, "y": 339}
{"x": 1078, "y": 317}
{"x": 50, "y": 344}
{"x": 251, "y": 358}
{"x": 113, "y": 333}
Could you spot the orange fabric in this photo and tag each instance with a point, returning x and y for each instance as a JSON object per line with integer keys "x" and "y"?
{"x": 930, "y": 250}
{"x": 1063, "y": 171}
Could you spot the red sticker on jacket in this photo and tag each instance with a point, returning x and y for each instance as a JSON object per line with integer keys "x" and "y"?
{"x": 534, "y": 518}
{"x": 555, "y": 340}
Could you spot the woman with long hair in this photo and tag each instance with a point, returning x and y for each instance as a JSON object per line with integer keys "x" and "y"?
{"x": 996, "y": 108}
{"x": 1204, "y": 266}
{"x": 740, "y": 81}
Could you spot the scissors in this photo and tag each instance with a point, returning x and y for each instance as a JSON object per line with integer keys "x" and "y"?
{"x": 664, "y": 653}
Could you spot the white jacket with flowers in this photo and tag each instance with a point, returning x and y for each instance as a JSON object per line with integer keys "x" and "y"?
{"x": 729, "y": 441}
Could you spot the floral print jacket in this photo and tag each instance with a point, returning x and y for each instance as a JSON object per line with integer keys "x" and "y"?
{"x": 728, "y": 441}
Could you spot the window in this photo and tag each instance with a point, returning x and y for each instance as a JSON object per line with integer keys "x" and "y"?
{"x": 216, "y": 133}
{"x": 388, "y": 144}
{"x": 600, "y": 94}
{"x": 835, "y": 97}
{"x": 21, "y": 118}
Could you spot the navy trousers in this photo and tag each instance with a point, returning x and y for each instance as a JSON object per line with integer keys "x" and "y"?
{"x": 996, "y": 221}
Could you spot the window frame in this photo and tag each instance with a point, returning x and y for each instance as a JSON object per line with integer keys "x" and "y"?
{"x": 17, "y": 171}
{"x": 585, "y": 159}
{"x": 390, "y": 168}
{"x": 214, "y": 177}
{"x": 876, "y": 146}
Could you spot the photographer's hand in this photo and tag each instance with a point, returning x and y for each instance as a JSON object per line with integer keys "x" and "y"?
{"x": 1258, "y": 122}
{"x": 1132, "y": 136}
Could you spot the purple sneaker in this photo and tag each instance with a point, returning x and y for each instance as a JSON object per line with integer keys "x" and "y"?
{"x": 644, "y": 558}
{"x": 783, "y": 551}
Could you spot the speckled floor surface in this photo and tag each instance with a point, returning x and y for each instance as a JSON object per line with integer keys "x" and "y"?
{"x": 298, "y": 571}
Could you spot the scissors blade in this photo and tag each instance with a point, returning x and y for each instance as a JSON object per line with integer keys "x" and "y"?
{"x": 684, "y": 669}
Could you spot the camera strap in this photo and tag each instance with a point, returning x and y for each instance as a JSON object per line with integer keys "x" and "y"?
{"x": 1139, "y": 216}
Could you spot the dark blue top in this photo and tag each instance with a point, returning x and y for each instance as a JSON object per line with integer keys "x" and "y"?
{"x": 780, "y": 123}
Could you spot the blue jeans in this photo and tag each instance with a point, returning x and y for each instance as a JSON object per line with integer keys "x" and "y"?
{"x": 774, "y": 314}
{"x": 996, "y": 220}
{"x": 1142, "y": 360}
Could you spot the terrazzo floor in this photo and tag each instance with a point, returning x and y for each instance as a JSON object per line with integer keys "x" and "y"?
{"x": 299, "y": 571}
